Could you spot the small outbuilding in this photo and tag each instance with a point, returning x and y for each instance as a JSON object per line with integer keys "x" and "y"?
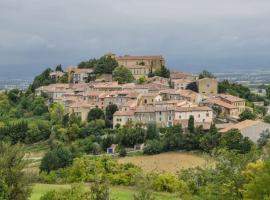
{"x": 139, "y": 146}
{"x": 111, "y": 149}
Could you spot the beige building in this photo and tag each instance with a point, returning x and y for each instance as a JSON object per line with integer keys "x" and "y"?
{"x": 201, "y": 114}
{"x": 141, "y": 65}
{"x": 121, "y": 118}
{"x": 227, "y": 110}
{"x": 235, "y": 101}
{"x": 181, "y": 84}
{"x": 207, "y": 86}
{"x": 80, "y": 109}
{"x": 77, "y": 75}
{"x": 149, "y": 98}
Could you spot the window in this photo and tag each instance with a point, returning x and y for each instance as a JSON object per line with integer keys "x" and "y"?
{"x": 207, "y": 114}
{"x": 199, "y": 115}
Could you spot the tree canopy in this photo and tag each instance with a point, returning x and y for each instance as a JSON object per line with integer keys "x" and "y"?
{"x": 122, "y": 75}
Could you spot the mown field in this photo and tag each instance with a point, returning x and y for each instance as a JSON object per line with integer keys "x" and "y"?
{"x": 118, "y": 193}
{"x": 169, "y": 162}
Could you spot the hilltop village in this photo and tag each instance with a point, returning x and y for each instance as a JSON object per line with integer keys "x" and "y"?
{"x": 130, "y": 125}
{"x": 147, "y": 97}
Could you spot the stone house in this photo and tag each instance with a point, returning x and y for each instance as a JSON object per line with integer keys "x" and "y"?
{"x": 207, "y": 86}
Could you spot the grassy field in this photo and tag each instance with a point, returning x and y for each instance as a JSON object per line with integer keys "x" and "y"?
{"x": 118, "y": 193}
{"x": 169, "y": 162}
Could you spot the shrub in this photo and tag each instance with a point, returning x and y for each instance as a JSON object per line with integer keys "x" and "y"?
{"x": 57, "y": 158}
{"x": 166, "y": 182}
{"x": 153, "y": 147}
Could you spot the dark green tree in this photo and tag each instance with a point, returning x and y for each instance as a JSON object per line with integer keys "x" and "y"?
{"x": 95, "y": 113}
{"x": 59, "y": 68}
{"x": 110, "y": 110}
{"x": 105, "y": 65}
{"x": 247, "y": 114}
{"x": 206, "y": 74}
{"x": 56, "y": 158}
{"x": 233, "y": 140}
{"x": 191, "y": 124}
{"x": 163, "y": 72}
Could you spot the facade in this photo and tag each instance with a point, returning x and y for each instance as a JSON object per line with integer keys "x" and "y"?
{"x": 181, "y": 84}
{"x": 141, "y": 65}
{"x": 80, "y": 109}
{"x": 121, "y": 118}
{"x": 149, "y": 98}
{"x": 226, "y": 109}
{"x": 208, "y": 86}
{"x": 77, "y": 75}
{"x": 202, "y": 114}
{"x": 235, "y": 101}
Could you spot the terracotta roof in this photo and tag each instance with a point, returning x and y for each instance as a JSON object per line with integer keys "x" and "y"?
{"x": 180, "y": 75}
{"x": 124, "y": 113}
{"x": 149, "y": 94}
{"x": 190, "y": 109}
{"x": 240, "y": 125}
{"x": 231, "y": 98}
{"x": 80, "y": 104}
{"x": 182, "y": 81}
{"x": 169, "y": 91}
{"x": 220, "y": 103}
{"x": 159, "y": 57}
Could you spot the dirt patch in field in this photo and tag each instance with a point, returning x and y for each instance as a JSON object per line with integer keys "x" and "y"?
{"x": 169, "y": 162}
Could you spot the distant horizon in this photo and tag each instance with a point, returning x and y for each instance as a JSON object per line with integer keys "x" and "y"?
{"x": 29, "y": 72}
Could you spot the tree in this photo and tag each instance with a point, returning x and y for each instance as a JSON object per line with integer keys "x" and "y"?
{"x": 152, "y": 131}
{"x": 99, "y": 190}
{"x": 163, "y": 72}
{"x": 206, "y": 74}
{"x": 56, "y": 113}
{"x": 42, "y": 79}
{"x": 95, "y": 113}
{"x": 122, "y": 75}
{"x": 141, "y": 80}
{"x": 105, "y": 65}
{"x": 268, "y": 92}
{"x": 210, "y": 140}
{"x": 122, "y": 151}
{"x": 247, "y": 114}
{"x": 191, "y": 125}
{"x": 14, "y": 182}
{"x": 59, "y": 68}
{"x": 110, "y": 110}
{"x": 233, "y": 140}
{"x": 57, "y": 158}
{"x": 257, "y": 184}
{"x": 264, "y": 138}
{"x": 267, "y": 119}
{"x": 172, "y": 138}
{"x": 153, "y": 147}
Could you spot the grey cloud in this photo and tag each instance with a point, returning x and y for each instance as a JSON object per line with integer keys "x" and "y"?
{"x": 192, "y": 34}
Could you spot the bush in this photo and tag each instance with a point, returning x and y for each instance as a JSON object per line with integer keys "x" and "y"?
{"x": 166, "y": 182}
{"x": 57, "y": 158}
{"x": 122, "y": 151}
{"x": 153, "y": 147}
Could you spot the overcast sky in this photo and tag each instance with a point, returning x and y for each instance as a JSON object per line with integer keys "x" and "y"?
{"x": 191, "y": 34}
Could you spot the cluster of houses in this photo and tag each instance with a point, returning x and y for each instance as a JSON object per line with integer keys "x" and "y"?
{"x": 165, "y": 101}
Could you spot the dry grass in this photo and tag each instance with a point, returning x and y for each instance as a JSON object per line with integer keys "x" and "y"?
{"x": 169, "y": 162}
